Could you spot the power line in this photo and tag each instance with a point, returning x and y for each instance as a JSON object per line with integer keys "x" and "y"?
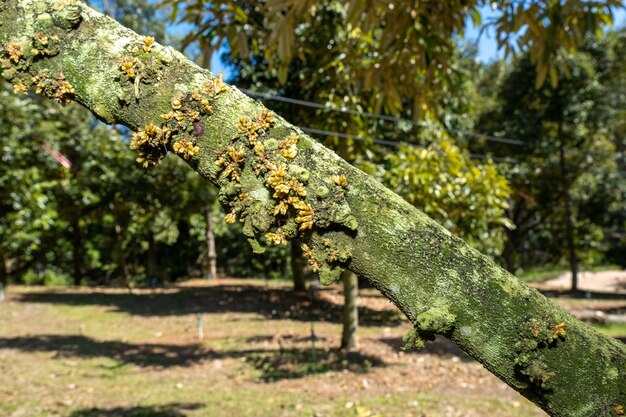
{"x": 305, "y": 103}
{"x": 384, "y": 142}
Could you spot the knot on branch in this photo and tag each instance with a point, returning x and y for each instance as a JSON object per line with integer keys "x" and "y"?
{"x": 434, "y": 321}
{"x": 66, "y": 14}
{"x": 535, "y": 336}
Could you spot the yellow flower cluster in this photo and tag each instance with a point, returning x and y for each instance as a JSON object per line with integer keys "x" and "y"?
{"x": 310, "y": 256}
{"x": 289, "y": 191}
{"x": 62, "y": 91}
{"x": 277, "y": 238}
{"x": 14, "y": 51}
{"x": 231, "y": 167}
{"x": 148, "y": 41}
{"x": 129, "y": 65}
{"x": 252, "y": 128}
{"x": 151, "y": 135}
{"x": 559, "y": 330}
{"x": 20, "y": 88}
{"x": 58, "y": 89}
{"x": 340, "y": 180}
{"x": 185, "y": 147}
{"x": 289, "y": 148}
{"x": 149, "y": 142}
{"x": 214, "y": 87}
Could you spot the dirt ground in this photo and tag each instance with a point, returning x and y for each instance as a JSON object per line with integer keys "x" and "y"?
{"x": 104, "y": 352}
{"x": 594, "y": 282}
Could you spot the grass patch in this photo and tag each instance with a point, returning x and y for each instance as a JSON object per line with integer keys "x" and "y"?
{"x": 617, "y": 330}
{"x": 541, "y": 274}
{"x": 546, "y": 273}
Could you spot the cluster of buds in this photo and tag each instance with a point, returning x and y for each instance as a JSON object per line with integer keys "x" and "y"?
{"x": 150, "y": 144}
{"x": 43, "y": 44}
{"x": 185, "y": 147}
{"x": 14, "y": 52}
{"x": 58, "y": 88}
{"x": 252, "y": 128}
{"x": 231, "y": 162}
{"x": 310, "y": 257}
{"x": 288, "y": 190}
{"x": 288, "y": 147}
{"x": 340, "y": 180}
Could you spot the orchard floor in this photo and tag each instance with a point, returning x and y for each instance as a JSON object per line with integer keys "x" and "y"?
{"x": 105, "y": 353}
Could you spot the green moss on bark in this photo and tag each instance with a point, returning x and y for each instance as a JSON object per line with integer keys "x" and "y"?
{"x": 437, "y": 280}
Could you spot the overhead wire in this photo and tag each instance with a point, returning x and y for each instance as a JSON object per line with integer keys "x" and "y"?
{"x": 394, "y": 143}
{"x": 312, "y": 104}
{"x": 384, "y": 142}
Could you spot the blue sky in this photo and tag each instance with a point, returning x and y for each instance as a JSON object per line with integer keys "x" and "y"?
{"x": 487, "y": 46}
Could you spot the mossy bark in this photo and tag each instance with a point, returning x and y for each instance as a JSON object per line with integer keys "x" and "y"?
{"x": 345, "y": 219}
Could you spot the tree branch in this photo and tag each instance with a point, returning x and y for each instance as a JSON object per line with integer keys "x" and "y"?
{"x": 283, "y": 185}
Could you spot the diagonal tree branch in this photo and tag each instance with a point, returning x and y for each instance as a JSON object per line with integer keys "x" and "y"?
{"x": 282, "y": 185}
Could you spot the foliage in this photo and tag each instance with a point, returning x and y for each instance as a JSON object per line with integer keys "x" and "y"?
{"x": 577, "y": 117}
{"x": 469, "y": 199}
{"x": 449, "y": 168}
{"x": 398, "y": 54}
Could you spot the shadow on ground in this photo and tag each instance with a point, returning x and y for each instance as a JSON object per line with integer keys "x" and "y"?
{"x": 273, "y": 364}
{"x": 297, "y": 363}
{"x": 440, "y": 346}
{"x": 170, "y": 410}
{"x": 271, "y": 303}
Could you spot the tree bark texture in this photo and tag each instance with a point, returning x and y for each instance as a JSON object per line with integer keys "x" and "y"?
{"x": 283, "y": 185}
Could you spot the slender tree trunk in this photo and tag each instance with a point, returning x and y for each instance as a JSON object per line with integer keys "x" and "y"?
{"x": 509, "y": 251}
{"x": 210, "y": 243}
{"x": 297, "y": 266}
{"x": 4, "y": 271}
{"x": 77, "y": 249}
{"x": 4, "y": 277}
{"x": 350, "y": 311}
{"x": 568, "y": 220}
{"x": 121, "y": 259}
{"x": 438, "y": 281}
{"x": 152, "y": 262}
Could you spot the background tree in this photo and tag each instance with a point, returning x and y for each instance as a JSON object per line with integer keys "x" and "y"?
{"x": 440, "y": 283}
{"x": 567, "y": 139}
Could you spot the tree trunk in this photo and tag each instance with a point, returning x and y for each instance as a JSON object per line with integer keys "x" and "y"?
{"x": 350, "y": 311}
{"x": 77, "y": 250}
{"x": 210, "y": 244}
{"x": 509, "y": 251}
{"x": 440, "y": 283}
{"x": 4, "y": 277}
{"x": 121, "y": 259}
{"x": 297, "y": 267}
{"x": 152, "y": 262}
{"x": 569, "y": 222}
